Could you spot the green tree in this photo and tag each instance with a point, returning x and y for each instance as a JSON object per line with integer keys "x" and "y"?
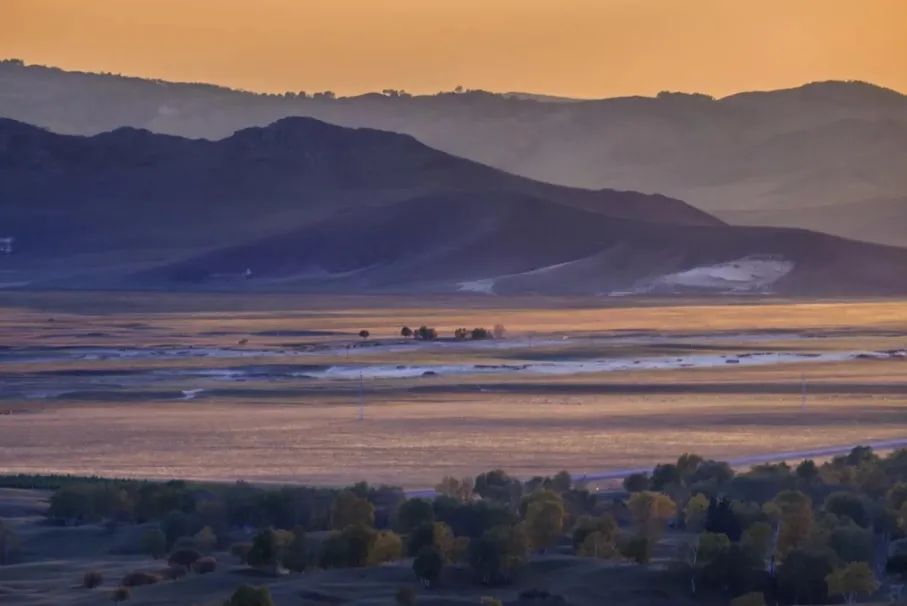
{"x": 853, "y": 580}
{"x": 387, "y": 547}
{"x": 694, "y": 513}
{"x": 498, "y": 553}
{"x": 413, "y": 513}
{"x": 544, "y": 519}
{"x": 795, "y": 516}
{"x": 757, "y": 540}
{"x": 650, "y": 512}
{"x": 428, "y": 564}
{"x": 205, "y": 540}
{"x": 269, "y": 547}
{"x": 348, "y": 509}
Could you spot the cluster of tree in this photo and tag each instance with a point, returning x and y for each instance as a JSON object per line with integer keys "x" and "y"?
{"x": 476, "y": 334}
{"x": 426, "y": 333}
{"x": 797, "y": 535}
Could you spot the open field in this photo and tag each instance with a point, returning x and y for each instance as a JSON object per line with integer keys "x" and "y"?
{"x": 269, "y": 388}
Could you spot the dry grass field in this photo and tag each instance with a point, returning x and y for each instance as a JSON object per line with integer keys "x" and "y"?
{"x": 269, "y": 388}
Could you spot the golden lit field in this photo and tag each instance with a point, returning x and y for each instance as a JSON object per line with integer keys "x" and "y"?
{"x": 269, "y": 389}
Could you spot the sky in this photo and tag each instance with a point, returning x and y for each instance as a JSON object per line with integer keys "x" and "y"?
{"x": 577, "y": 48}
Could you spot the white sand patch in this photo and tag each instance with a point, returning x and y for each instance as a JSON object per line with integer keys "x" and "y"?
{"x": 756, "y": 273}
{"x": 484, "y": 286}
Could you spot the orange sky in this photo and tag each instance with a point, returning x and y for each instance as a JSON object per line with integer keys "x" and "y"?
{"x": 585, "y": 48}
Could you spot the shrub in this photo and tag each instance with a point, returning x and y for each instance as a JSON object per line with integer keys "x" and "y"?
{"x": 120, "y": 594}
{"x": 92, "y": 579}
{"x": 428, "y": 564}
{"x": 205, "y": 565}
{"x": 138, "y": 578}
{"x": 184, "y": 557}
{"x": 637, "y": 548}
{"x": 250, "y": 596}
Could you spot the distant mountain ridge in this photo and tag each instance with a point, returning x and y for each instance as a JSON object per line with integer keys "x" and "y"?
{"x": 773, "y": 157}
{"x": 307, "y": 206}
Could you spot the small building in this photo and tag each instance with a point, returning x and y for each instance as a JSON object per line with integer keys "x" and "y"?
{"x": 6, "y": 245}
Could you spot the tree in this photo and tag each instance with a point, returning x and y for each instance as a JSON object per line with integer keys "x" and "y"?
{"x": 348, "y": 509}
{"x": 847, "y": 504}
{"x": 720, "y": 517}
{"x": 359, "y": 540}
{"x": 498, "y": 553}
{"x": 154, "y": 543}
{"x": 296, "y": 556}
{"x": 120, "y": 594}
{"x": 499, "y": 331}
{"x": 414, "y": 513}
{"x": 432, "y": 534}
{"x": 387, "y": 547}
{"x": 480, "y": 334}
{"x": 92, "y": 579}
{"x": 650, "y": 512}
{"x": 461, "y": 490}
{"x": 757, "y": 540}
{"x": 687, "y": 463}
{"x": 802, "y": 574}
{"x": 852, "y": 544}
{"x": 269, "y": 547}
{"x": 364, "y": 334}
{"x": 460, "y": 334}
{"x": 425, "y": 333}
{"x": 184, "y": 557}
{"x": 636, "y": 482}
{"x": 428, "y": 564}
{"x": 605, "y": 526}
{"x": 694, "y": 514}
{"x": 498, "y": 486}
{"x": 807, "y": 471}
{"x": 795, "y": 516}
{"x": 205, "y": 565}
{"x": 852, "y": 580}
{"x": 664, "y": 475}
{"x": 544, "y": 519}
{"x": 247, "y": 595}
{"x": 205, "y": 540}
{"x": 406, "y": 332}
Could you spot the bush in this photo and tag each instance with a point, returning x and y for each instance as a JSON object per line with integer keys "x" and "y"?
{"x": 250, "y": 596}
{"x": 120, "y": 594}
{"x": 184, "y": 557}
{"x": 138, "y": 578}
{"x": 205, "y": 565}
{"x": 637, "y": 548}
{"x": 92, "y": 579}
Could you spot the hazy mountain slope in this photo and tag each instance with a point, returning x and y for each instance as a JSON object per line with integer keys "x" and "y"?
{"x": 517, "y": 244}
{"x": 779, "y": 151}
{"x": 305, "y": 205}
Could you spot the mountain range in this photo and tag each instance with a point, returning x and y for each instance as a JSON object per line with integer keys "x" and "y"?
{"x": 827, "y": 156}
{"x": 308, "y": 206}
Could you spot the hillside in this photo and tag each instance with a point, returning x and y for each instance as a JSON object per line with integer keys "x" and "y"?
{"x": 781, "y": 157}
{"x": 304, "y": 205}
